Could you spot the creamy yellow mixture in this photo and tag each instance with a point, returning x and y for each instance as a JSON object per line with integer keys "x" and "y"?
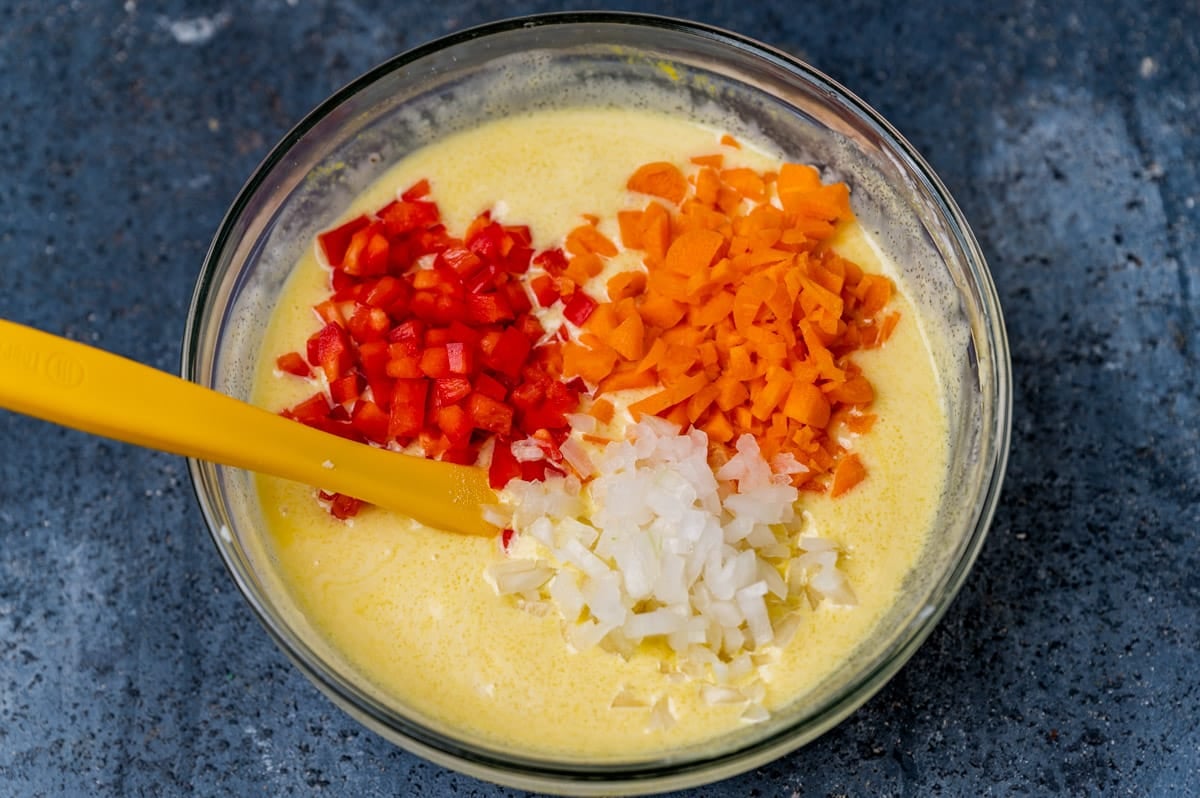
{"x": 409, "y": 607}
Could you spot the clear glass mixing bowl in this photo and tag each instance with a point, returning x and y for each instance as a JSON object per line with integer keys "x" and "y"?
{"x": 587, "y": 59}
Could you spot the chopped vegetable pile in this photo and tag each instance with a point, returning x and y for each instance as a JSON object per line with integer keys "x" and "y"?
{"x": 740, "y": 320}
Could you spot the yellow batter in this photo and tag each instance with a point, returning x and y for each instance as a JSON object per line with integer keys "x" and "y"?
{"x": 409, "y": 607}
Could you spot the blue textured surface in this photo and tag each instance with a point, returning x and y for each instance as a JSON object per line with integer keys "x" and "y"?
{"x": 130, "y": 665}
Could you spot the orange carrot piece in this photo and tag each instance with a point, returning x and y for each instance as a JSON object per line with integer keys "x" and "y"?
{"x": 713, "y": 161}
{"x": 626, "y": 284}
{"x": 848, "y": 473}
{"x": 730, "y": 141}
{"x": 746, "y": 182}
{"x": 695, "y": 249}
{"x": 708, "y": 186}
{"x": 602, "y": 410}
{"x": 718, "y": 428}
{"x": 622, "y": 380}
{"x": 854, "y": 391}
{"x": 807, "y": 404}
{"x": 628, "y": 339}
{"x": 659, "y": 179}
{"x": 591, "y": 364}
{"x": 587, "y": 239}
{"x": 661, "y": 311}
{"x": 630, "y": 224}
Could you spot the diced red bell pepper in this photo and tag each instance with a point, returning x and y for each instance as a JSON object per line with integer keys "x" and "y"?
{"x": 333, "y": 242}
{"x": 410, "y": 334}
{"x": 554, "y": 261}
{"x": 518, "y": 300}
{"x": 509, "y": 352}
{"x": 504, "y": 466}
{"x": 488, "y": 308}
{"x": 329, "y": 349}
{"x": 343, "y": 506}
{"x": 368, "y": 252}
{"x": 313, "y": 411}
{"x": 578, "y": 308}
{"x": 460, "y": 357}
{"x": 455, "y": 423}
{"x": 368, "y": 324}
{"x": 345, "y": 389}
{"x": 404, "y": 367}
{"x": 403, "y": 216}
{"x": 489, "y": 414}
{"x": 517, "y": 259}
{"x": 371, "y": 420}
{"x": 450, "y": 390}
{"x": 407, "y": 417}
{"x": 389, "y": 294}
{"x": 293, "y": 363}
{"x": 416, "y": 190}
{"x": 461, "y": 260}
{"x": 435, "y": 362}
{"x": 544, "y": 290}
{"x": 490, "y": 386}
{"x": 458, "y": 332}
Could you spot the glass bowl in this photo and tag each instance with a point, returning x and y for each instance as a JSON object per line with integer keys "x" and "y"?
{"x": 459, "y": 81}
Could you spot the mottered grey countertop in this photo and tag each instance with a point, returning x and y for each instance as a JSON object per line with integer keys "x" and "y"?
{"x": 1068, "y": 132}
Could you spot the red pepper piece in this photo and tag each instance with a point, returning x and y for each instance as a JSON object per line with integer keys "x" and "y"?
{"x": 368, "y": 324}
{"x": 329, "y": 349}
{"x": 333, "y": 242}
{"x": 403, "y": 216}
{"x": 389, "y": 294}
{"x": 407, "y": 417}
{"x": 509, "y": 352}
{"x": 517, "y": 259}
{"x": 416, "y": 190}
{"x": 488, "y": 308}
{"x": 371, "y": 420}
{"x": 404, "y": 367}
{"x": 367, "y": 253}
{"x": 410, "y": 334}
{"x": 504, "y": 466}
{"x": 293, "y": 363}
{"x": 435, "y": 362}
{"x": 518, "y": 300}
{"x": 460, "y": 357}
{"x": 345, "y": 389}
{"x": 578, "y": 308}
{"x": 490, "y": 386}
{"x": 343, "y": 506}
{"x": 458, "y": 332}
{"x": 313, "y": 411}
{"x": 544, "y": 290}
{"x": 455, "y": 424}
{"x": 450, "y": 390}
{"x": 461, "y": 260}
{"x": 554, "y": 261}
{"x": 489, "y": 414}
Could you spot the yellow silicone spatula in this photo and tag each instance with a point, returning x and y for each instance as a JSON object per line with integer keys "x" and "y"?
{"x": 69, "y": 383}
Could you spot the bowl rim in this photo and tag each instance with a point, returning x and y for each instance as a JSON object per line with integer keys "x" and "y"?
{"x": 581, "y": 778}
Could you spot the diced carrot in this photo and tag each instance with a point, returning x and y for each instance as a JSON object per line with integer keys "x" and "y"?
{"x": 848, "y": 473}
{"x": 630, "y": 224}
{"x": 661, "y": 311}
{"x": 587, "y": 239}
{"x": 730, "y": 141}
{"x": 602, "y": 410}
{"x": 660, "y": 179}
{"x": 626, "y": 284}
{"x": 628, "y": 339}
{"x": 807, "y": 404}
{"x": 744, "y": 319}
